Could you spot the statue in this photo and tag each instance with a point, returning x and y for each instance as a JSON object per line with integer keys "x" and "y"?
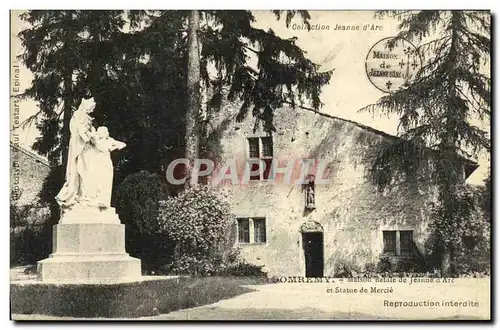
{"x": 89, "y": 239}
{"x": 310, "y": 197}
{"x": 89, "y": 171}
{"x": 97, "y": 184}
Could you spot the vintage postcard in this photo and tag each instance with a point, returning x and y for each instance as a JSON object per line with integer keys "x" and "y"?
{"x": 250, "y": 165}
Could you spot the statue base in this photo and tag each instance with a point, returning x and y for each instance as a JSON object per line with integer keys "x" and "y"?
{"x": 88, "y": 246}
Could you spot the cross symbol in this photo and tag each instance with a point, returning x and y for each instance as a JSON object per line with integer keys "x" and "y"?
{"x": 388, "y": 84}
{"x": 408, "y": 50}
{"x": 402, "y": 63}
{"x": 414, "y": 64}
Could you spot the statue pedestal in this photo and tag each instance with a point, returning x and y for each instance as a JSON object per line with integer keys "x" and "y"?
{"x": 89, "y": 247}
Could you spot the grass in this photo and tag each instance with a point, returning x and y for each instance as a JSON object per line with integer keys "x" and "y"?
{"x": 127, "y": 300}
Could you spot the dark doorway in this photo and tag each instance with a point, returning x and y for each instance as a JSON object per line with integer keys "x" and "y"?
{"x": 313, "y": 252}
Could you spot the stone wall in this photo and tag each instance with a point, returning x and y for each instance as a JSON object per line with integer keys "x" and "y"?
{"x": 350, "y": 209}
{"x": 27, "y": 174}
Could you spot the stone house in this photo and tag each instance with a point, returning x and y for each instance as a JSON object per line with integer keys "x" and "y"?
{"x": 294, "y": 232}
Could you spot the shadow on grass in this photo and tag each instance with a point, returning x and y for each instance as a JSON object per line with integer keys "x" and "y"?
{"x": 127, "y": 300}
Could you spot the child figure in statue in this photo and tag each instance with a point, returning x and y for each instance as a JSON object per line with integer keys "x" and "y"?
{"x": 98, "y": 186}
{"x": 104, "y": 145}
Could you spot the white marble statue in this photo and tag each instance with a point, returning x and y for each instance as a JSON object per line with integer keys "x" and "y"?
{"x": 89, "y": 171}
{"x": 98, "y": 181}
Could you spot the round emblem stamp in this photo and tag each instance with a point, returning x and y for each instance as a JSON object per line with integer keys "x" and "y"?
{"x": 392, "y": 68}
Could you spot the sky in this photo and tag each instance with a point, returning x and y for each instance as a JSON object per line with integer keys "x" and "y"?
{"x": 343, "y": 51}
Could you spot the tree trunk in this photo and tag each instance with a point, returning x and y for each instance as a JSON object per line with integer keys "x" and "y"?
{"x": 55, "y": 212}
{"x": 445, "y": 263}
{"x": 450, "y": 177}
{"x": 68, "y": 112}
{"x": 193, "y": 90}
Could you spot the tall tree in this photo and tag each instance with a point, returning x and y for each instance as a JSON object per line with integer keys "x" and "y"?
{"x": 55, "y": 49}
{"x": 436, "y": 109}
{"x": 193, "y": 84}
{"x": 135, "y": 65}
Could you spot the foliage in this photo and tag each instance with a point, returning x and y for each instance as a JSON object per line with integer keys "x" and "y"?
{"x": 467, "y": 233}
{"x": 346, "y": 269}
{"x": 235, "y": 265}
{"x": 29, "y": 235}
{"x": 62, "y": 46}
{"x": 198, "y": 221}
{"x": 243, "y": 269}
{"x": 283, "y": 73}
{"x": 408, "y": 264}
{"x": 133, "y": 63}
{"x": 384, "y": 265}
{"x": 435, "y": 110}
{"x": 484, "y": 197}
{"x": 473, "y": 258}
{"x": 137, "y": 202}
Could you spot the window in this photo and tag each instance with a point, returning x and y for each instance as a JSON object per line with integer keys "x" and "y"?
{"x": 243, "y": 231}
{"x": 398, "y": 242}
{"x": 389, "y": 242}
{"x": 267, "y": 147}
{"x": 260, "y": 149}
{"x": 406, "y": 242}
{"x": 252, "y": 230}
{"x": 259, "y": 230}
{"x": 253, "y": 148}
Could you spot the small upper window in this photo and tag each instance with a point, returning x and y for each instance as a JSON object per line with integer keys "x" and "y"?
{"x": 267, "y": 147}
{"x": 260, "y": 148}
{"x": 253, "y": 148}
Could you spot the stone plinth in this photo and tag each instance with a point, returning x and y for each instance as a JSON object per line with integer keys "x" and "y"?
{"x": 88, "y": 246}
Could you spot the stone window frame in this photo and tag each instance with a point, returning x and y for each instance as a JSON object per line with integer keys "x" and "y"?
{"x": 397, "y": 232}
{"x": 251, "y": 231}
{"x": 266, "y": 158}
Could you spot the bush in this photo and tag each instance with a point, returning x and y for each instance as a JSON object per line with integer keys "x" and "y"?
{"x": 384, "y": 265}
{"x": 243, "y": 269}
{"x": 462, "y": 228}
{"x": 408, "y": 264}
{"x": 30, "y": 236}
{"x": 137, "y": 203}
{"x": 234, "y": 265}
{"x": 198, "y": 221}
{"x": 346, "y": 268}
{"x": 473, "y": 259}
{"x": 197, "y": 264}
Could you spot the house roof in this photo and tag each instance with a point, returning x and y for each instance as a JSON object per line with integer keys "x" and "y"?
{"x": 470, "y": 166}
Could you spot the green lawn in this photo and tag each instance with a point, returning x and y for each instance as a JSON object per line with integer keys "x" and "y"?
{"x": 127, "y": 300}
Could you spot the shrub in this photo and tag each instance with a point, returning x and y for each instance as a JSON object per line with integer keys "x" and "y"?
{"x": 197, "y": 264}
{"x": 234, "y": 265}
{"x": 384, "y": 265}
{"x": 198, "y": 221}
{"x": 346, "y": 268}
{"x": 473, "y": 259}
{"x": 243, "y": 269}
{"x": 30, "y": 236}
{"x": 407, "y": 264}
{"x": 453, "y": 230}
{"x": 137, "y": 203}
